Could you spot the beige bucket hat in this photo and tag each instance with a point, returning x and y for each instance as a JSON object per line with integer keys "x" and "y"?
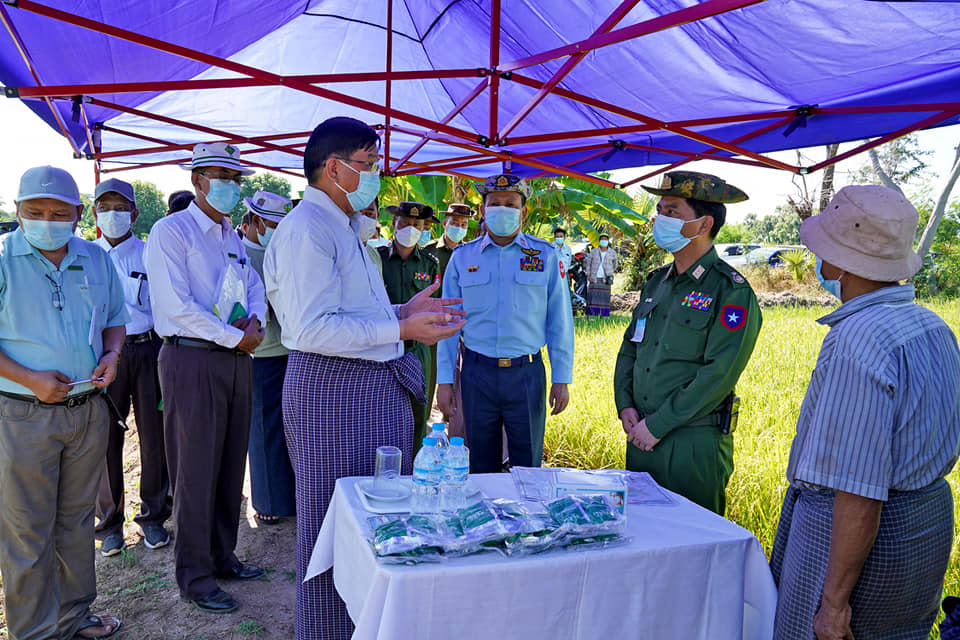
{"x": 867, "y": 230}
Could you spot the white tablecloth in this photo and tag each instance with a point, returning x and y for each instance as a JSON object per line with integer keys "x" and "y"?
{"x": 686, "y": 573}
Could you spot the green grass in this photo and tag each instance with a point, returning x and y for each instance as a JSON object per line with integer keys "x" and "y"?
{"x": 588, "y": 433}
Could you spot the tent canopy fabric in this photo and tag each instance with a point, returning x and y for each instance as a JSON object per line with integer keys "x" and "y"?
{"x": 473, "y": 87}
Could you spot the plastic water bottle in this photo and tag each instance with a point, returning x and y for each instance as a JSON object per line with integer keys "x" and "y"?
{"x": 427, "y": 468}
{"x": 440, "y": 434}
{"x": 456, "y": 471}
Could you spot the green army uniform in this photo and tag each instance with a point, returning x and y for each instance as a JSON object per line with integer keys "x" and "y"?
{"x": 438, "y": 249}
{"x": 689, "y": 340}
{"x": 403, "y": 280}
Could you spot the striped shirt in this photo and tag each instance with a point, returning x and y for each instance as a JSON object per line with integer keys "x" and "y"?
{"x": 882, "y": 411}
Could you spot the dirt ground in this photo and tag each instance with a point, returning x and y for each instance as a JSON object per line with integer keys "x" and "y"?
{"x": 138, "y": 586}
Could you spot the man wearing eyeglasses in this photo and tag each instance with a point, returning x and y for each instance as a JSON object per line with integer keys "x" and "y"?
{"x": 61, "y": 332}
{"x": 115, "y": 210}
{"x": 348, "y": 383}
{"x": 207, "y": 305}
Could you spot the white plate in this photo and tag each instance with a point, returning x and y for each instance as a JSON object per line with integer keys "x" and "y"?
{"x": 402, "y": 492}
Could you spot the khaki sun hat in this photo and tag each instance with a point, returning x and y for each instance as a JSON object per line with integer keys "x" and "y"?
{"x": 867, "y": 230}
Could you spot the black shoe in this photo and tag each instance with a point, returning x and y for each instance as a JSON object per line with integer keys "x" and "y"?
{"x": 217, "y": 601}
{"x": 241, "y": 571}
{"x": 155, "y": 536}
{"x": 112, "y": 544}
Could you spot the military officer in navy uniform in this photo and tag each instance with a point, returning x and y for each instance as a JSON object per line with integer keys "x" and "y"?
{"x": 516, "y": 302}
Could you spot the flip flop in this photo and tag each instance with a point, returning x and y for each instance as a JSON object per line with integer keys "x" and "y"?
{"x": 269, "y": 520}
{"x": 97, "y": 621}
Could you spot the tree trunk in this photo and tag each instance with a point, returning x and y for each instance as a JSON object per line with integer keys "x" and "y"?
{"x": 826, "y": 187}
{"x": 926, "y": 240}
{"x": 878, "y": 169}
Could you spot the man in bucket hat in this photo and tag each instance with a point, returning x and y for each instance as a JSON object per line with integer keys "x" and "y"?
{"x": 272, "y": 484}
{"x": 691, "y": 336}
{"x": 867, "y": 523}
{"x": 208, "y": 303}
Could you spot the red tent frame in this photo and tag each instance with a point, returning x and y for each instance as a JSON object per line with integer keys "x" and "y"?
{"x": 483, "y": 147}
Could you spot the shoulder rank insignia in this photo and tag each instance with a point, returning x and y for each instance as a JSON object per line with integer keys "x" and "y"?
{"x": 698, "y": 301}
{"x": 531, "y": 263}
{"x": 738, "y": 278}
{"x": 531, "y": 252}
{"x": 698, "y": 272}
{"x": 734, "y": 317}
{"x": 422, "y": 276}
{"x": 473, "y": 268}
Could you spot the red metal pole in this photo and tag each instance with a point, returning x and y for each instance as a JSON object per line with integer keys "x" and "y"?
{"x": 494, "y": 80}
{"x": 28, "y": 61}
{"x": 168, "y": 146}
{"x": 690, "y": 14}
{"x": 922, "y": 124}
{"x": 270, "y": 78}
{"x": 386, "y": 126}
{"x": 566, "y": 68}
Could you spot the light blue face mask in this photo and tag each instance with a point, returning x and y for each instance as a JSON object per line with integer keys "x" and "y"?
{"x": 559, "y": 241}
{"x": 831, "y": 286}
{"x": 264, "y": 238}
{"x": 502, "y": 221}
{"x": 425, "y": 238}
{"x": 223, "y": 194}
{"x": 604, "y": 243}
{"x": 367, "y": 189}
{"x": 668, "y": 233}
{"x": 46, "y": 235}
{"x": 456, "y": 234}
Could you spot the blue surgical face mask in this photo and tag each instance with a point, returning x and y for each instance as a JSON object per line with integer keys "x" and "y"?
{"x": 831, "y": 286}
{"x": 367, "y": 189}
{"x": 502, "y": 221}
{"x": 223, "y": 195}
{"x": 115, "y": 223}
{"x": 668, "y": 233}
{"x": 425, "y": 238}
{"x": 456, "y": 234}
{"x": 604, "y": 243}
{"x": 264, "y": 238}
{"x": 46, "y": 235}
{"x": 559, "y": 241}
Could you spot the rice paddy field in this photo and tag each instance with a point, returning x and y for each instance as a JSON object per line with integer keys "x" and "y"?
{"x": 588, "y": 433}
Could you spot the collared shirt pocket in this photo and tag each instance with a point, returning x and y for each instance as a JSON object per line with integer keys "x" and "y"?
{"x": 687, "y": 330}
{"x": 136, "y": 292}
{"x": 530, "y": 291}
{"x": 472, "y": 290}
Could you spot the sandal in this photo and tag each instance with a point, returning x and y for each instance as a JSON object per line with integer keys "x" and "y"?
{"x": 91, "y": 621}
{"x": 265, "y": 519}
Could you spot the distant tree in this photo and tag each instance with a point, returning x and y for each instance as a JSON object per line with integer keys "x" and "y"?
{"x": 152, "y": 205}
{"x": 783, "y": 227}
{"x": 7, "y": 215}
{"x": 894, "y": 164}
{"x": 259, "y": 182}
{"x": 87, "y": 225}
{"x": 732, "y": 234}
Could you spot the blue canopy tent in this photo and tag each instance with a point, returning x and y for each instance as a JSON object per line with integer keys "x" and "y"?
{"x": 472, "y": 87}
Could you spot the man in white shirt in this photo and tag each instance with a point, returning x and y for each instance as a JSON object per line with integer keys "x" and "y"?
{"x": 115, "y": 210}
{"x": 348, "y": 384}
{"x": 207, "y": 305}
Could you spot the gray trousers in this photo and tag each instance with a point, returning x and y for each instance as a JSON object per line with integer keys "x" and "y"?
{"x": 50, "y": 460}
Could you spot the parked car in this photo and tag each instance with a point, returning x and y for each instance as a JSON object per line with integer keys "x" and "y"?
{"x": 735, "y": 253}
{"x": 770, "y": 256}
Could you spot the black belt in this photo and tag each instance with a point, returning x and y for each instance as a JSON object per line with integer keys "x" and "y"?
{"x": 198, "y": 343}
{"x": 140, "y": 338}
{"x": 71, "y": 402}
{"x": 506, "y": 363}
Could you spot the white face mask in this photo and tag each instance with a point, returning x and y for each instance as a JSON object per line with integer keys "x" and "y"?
{"x": 115, "y": 223}
{"x": 365, "y": 227}
{"x": 407, "y": 236}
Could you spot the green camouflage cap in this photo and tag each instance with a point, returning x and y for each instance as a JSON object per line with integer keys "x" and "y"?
{"x": 697, "y": 186}
{"x": 417, "y": 211}
{"x": 504, "y": 182}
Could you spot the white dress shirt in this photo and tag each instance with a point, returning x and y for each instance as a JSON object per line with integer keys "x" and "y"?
{"x": 128, "y": 259}
{"x": 325, "y": 290}
{"x": 186, "y": 256}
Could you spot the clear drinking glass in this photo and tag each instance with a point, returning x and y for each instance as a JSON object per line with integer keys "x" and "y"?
{"x": 386, "y": 478}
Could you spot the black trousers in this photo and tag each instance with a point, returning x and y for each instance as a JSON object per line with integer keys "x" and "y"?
{"x": 137, "y": 383}
{"x": 207, "y": 397}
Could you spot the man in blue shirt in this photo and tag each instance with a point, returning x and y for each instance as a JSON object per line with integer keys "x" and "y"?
{"x": 516, "y": 302}
{"x": 62, "y": 320}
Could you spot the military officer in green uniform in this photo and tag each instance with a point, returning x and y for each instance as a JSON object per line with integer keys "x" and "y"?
{"x": 690, "y": 338}
{"x": 407, "y": 270}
